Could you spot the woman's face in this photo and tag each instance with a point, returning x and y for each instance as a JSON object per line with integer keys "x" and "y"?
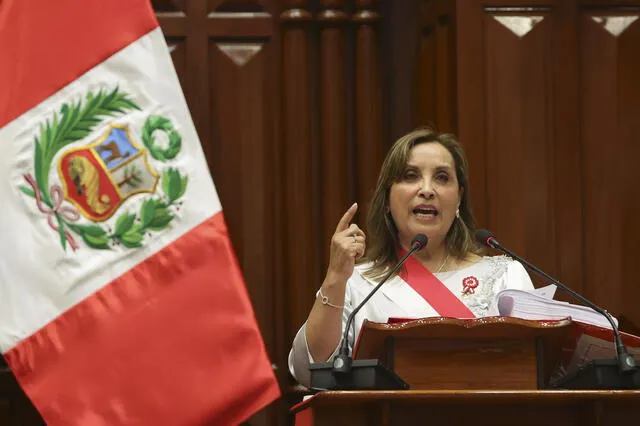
{"x": 426, "y": 197}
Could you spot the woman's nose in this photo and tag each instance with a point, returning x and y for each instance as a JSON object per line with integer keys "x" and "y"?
{"x": 426, "y": 189}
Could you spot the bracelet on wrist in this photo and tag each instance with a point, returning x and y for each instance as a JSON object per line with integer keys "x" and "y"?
{"x": 325, "y": 300}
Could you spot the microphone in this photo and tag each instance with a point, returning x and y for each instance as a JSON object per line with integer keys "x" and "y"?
{"x": 342, "y": 363}
{"x": 344, "y": 372}
{"x": 589, "y": 375}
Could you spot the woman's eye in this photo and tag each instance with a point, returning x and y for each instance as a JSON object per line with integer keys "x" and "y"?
{"x": 410, "y": 175}
{"x": 442, "y": 177}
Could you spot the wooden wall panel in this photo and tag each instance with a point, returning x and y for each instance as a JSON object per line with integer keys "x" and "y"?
{"x": 472, "y": 127}
{"x": 544, "y": 115}
{"x": 243, "y": 169}
{"x": 567, "y": 161}
{"x": 629, "y": 155}
{"x": 177, "y": 48}
{"x": 508, "y": 123}
{"x": 163, "y": 6}
{"x": 519, "y": 119}
{"x": 610, "y": 109}
{"x": 242, "y": 105}
{"x": 172, "y": 19}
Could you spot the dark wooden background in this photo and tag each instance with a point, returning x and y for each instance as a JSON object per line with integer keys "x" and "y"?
{"x": 296, "y": 103}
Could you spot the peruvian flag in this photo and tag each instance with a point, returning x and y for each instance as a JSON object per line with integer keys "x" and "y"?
{"x": 121, "y": 301}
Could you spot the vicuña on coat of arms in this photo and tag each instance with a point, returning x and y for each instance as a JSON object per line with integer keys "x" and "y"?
{"x": 99, "y": 177}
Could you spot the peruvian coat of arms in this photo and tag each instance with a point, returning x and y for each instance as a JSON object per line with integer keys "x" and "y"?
{"x": 97, "y": 179}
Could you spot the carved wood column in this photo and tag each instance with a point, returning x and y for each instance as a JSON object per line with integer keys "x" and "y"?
{"x": 333, "y": 116}
{"x": 300, "y": 211}
{"x": 435, "y": 79}
{"x": 368, "y": 102}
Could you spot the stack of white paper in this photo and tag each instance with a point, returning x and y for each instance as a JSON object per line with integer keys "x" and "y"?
{"x": 539, "y": 305}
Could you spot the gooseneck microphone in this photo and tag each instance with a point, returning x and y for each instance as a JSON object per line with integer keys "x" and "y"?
{"x": 625, "y": 360}
{"x": 342, "y": 362}
{"x": 346, "y": 373}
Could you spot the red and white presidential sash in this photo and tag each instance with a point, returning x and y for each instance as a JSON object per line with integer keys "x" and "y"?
{"x": 433, "y": 291}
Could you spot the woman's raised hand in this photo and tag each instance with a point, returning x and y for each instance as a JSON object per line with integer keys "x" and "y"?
{"x": 347, "y": 246}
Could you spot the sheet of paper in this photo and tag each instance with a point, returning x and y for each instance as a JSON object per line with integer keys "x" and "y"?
{"x": 590, "y": 347}
{"x": 547, "y": 291}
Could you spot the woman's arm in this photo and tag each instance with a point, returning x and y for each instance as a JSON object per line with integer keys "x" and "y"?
{"x": 324, "y": 325}
{"x": 320, "y": 335}
{"x": 301, "y": 356}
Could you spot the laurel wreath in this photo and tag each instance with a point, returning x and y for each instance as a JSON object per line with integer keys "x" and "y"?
{"x": 76, "y": 121}
{"x": 154, "y": 123}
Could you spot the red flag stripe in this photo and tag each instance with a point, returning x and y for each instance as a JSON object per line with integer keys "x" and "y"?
{"x": 174, "y": 340}
{"x": 434, "y": 291}
{"x": 43, "y": 48}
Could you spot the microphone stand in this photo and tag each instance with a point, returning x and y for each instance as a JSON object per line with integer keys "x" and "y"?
{"x": 345, "y": 373}
{"x": 613, "y": 373}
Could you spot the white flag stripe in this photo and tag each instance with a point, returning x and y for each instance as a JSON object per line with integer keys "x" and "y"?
{"x": 41, "y": 281}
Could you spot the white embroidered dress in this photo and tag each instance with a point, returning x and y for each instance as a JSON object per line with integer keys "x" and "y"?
{"x": 397, "y": 299}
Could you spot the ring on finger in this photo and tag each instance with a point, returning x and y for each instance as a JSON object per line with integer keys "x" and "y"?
{"x": 355, "y": 238}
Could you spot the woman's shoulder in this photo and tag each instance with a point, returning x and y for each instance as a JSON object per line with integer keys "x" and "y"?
{"x": 505, "y": 266}
{"x": 362, "y": 275}
{"x": 360, "y": 272}
{"x": 506, "y": 262}
{"x": 364, "y": 266}
{"x": 497, "y": 260}
{"x": 495, "y": 263}
{"x": 502, "y": 260}
{"x": 473, "y": 259}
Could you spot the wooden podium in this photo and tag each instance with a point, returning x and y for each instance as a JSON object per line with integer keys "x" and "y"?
{"x": 492, "y": 371}
{"x": 462, "y": 354}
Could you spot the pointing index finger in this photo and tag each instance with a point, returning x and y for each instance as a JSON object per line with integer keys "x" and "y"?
{"x": 346, "y": 218}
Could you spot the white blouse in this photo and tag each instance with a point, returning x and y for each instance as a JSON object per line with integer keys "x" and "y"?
{"x": 397, "y": 299}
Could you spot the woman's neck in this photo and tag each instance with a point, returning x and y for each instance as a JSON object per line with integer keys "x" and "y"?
{"x": 434, "y": 258}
